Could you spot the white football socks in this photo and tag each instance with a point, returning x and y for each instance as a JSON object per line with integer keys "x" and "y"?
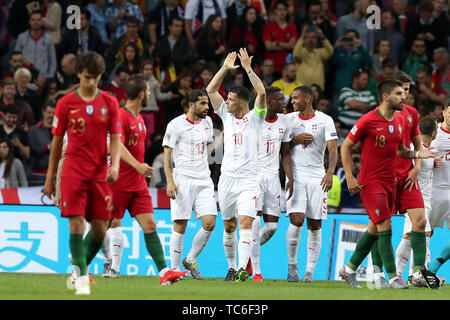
{"x": 314, "y": 244}
{"x": 117, "y": 243}
{"x": 267, "y": 231}
{"x": 229, "y": 245}
{"x": 256, "y": 247}
{"x": 244, "y": 247}
{"x": 176, "y": 249}
{"x": 199, "y": 242}
{"x": 292, "y": 242}
{"x": 402, "y": 255}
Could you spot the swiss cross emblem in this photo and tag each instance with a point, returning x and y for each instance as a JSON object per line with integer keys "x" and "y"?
{"x": 281, "y": 130}
{"x": 245, "y": 120}
{"x": 314, "y": 126}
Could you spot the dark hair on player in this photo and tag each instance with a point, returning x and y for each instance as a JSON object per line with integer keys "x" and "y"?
{"x": 135, "y": 85}
{"x": 305, "y": 90}
{"x": 271, "y": 92}
{"x": 386, "y": 86}
{"x": 402, "y": 77}
{"x": 90, "y": 61}
{"x": 193, "y": 97}
{"x": 242, "y": 93}
{"x": 427, "y": 125}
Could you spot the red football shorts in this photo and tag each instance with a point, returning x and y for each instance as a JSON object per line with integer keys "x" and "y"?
{"x": 378, "y": 200}
{"x": 90, "y": 199}
{"x": 136, "y": 202}
{"x": 405, "y": 199}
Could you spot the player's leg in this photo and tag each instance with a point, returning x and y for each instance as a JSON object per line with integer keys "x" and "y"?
{"x": 418, "y": 237}
{"x": 198, "y": 244}
{"x": 106, "y": 250}
{"x": 117, "y": 246}
{"x": 404, "y": 248}
{"x": 77, "y": 248}
{"x": 269, "y": 229}
{"x": 244, "y": 245}
{"x": 314, "y": 244}
{"x": 256, "y": 247}
{"x": 176, "y": 243}
{"x": 436, "y": 263}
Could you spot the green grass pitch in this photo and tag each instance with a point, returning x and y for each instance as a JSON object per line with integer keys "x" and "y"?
{"x": 20, "y": 286}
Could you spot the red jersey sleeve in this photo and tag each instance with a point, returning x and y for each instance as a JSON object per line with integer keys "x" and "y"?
{"x": 358, "y": 131}
{"x": 60, "y": 119}
{"x": 115, "y": 124}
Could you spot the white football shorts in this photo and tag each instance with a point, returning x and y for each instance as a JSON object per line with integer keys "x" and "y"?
{"x": 309, "y": 198}
{"x": 237, "y": 197}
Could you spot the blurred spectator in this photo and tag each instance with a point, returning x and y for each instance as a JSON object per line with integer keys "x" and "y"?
{"x": 51, "y": 19}
{"x": 441, "y": 75}
{"x": 115, "y": 53}
{"x": 356, "y": 100}
{"x": 309, "y": 58}
{"x": 356, "y": 21}
{"x": 234, "y": 78}
{"x": 388, "y": 67}
{"x": 288, "y": 81}
{"x": 439, "y": 9}
{"x": 350, "y": 200}
{"x": 267, "y": 72}
{"x": 416, "y": 59}
{"x": 196, "y": 14}
{"x": 152, "y": 108}
{"x": 411, "y": 101}
{"x": 18, "y": 137}
{"x": 248, "y": 34}
{"x": 40, "y": 138}
{"x": 12, "y": 173}
{"x": 329, "y": 15}
{"x": 20, "y": 13}
{"x": 382, "y": 48}
{"x": 349, "y": 55}
{"x": 314, "y": 20}
{"x": 22, "y": 78}
{"x": 317, "y": 93}
{"x": 82, "y": 40}
{"x": 211, "y": 42}
{"x": 25, "y": 117}
{"x": 161, "y": 18}
{"x": 395, "y": 38}
{"x": 279, "y": 37}
{"x": 69, "y": 77}
{"x": 400, "y": 8}
{"x": 181, "y": 88}
{"x": 323, "y": 104}
{"x": 49, "y": 90}
{"x": 117, "y": 86}
{"x": 433, "y": 30}
{"x": 434, "y": 109}
{"x": 15, "y": 62}
{"x": 37, "y": 47}
{"x": 131, "y": 60}
{"x": 117, "y": 16}
{"x": 424, "y": 88}
{"x": 235, "y": 14}
{"x": 165, "y": 68}
{"x": 98, "y": 19}
{"x": 177, "y": 44}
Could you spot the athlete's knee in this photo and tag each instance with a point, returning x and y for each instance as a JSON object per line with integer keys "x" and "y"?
{"x": 297, "y": 219}
{"x": 115, "y": 223}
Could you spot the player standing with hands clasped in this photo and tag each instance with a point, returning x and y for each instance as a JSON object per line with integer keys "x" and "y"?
{"x": 88, "y": 115}
{"x": 313, "y": 132}
{"x": 238, "y": 184}
{"x": 381, "y": 135}
{"x": 189, "y": 185}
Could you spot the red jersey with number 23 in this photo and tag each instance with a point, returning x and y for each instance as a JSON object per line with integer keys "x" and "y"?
{"x": 133, "y": 137}
{"x": 380, "y": 140}
{"x": 87, "y": 125}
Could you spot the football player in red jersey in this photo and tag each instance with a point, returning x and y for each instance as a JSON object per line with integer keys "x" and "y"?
{"x": 381, "y": 135}
{"x": 130, "y": 191}
{"x": 87, "y": 115}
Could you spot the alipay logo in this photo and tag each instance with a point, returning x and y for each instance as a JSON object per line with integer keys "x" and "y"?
{"x": 28, "y": 242}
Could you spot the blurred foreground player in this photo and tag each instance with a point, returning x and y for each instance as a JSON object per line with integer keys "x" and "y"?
{"x": 130, "y": 191}
{"x": 381, "y": 135}
{"x": 88, "y": 115}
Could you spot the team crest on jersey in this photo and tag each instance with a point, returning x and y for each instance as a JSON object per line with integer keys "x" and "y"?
{"x": 391, "y": 128}
{"x": 140, "y": 126}
{"x": 354, "y": 129}
{"x": 400, "y": 129}
{"x": 89, "y": 110}
{"x": 410, "y": 121}
{"x": 103, "y": 112}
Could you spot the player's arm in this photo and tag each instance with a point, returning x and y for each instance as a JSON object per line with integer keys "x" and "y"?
{"x": 246, "y": 62}
{"x": 115, "y": 149}
{"x": 55, "y": 156}
{"x": 213, "y": 87}
{"x": 171, "y": 189}
{"x": 347, "y": 163}
{"x": 142, "y": 168}
{"x": 286, "y": 163}
{"x": 413, "y": 174}
{"x": 404, "y": 152}
{"x": 327, "y": 181}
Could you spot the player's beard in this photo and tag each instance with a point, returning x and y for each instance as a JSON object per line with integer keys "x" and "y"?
{"x": 200, "y": 115}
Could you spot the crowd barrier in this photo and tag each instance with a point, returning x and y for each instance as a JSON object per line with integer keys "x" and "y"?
{"x": 36, "y": 239}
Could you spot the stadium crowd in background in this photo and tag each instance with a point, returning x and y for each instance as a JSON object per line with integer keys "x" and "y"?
{"x": 178, "y": 45}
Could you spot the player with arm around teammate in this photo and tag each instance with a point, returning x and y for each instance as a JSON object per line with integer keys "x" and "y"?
{"x": 238, "y": 183}
{"x": 275, "y": 136}
{"x": 189, "y": 185}
{"x": 313, "y": 132}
